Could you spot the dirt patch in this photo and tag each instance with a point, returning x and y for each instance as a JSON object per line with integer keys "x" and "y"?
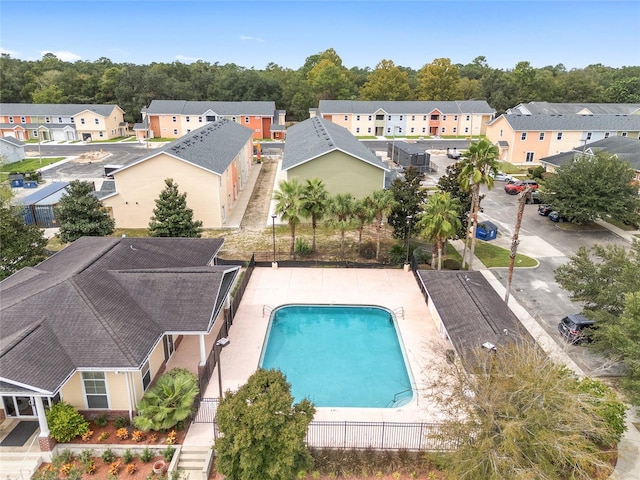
{"x": 101, "y": 470}
{"x": 90, "y": 157}
{"x": 258, "y": 207}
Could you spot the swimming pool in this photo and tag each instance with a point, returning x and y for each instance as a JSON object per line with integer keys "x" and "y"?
{"x": 339, "y": 355}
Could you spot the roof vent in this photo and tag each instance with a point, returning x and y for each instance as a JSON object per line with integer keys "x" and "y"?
{"x": 489, "y": 346}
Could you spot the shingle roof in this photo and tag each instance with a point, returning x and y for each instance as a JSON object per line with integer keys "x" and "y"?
{"x": 212, "y": 147}
{"x": 51, "y": 109}
{"x": 327, "y": 107}
{"x": 471, "y": 310}
{"x": 105, "y": 303}
{"x": 547, "y": 108}
{"x": 624, "y": 148}
{"x": 43, "y": 193}
{"x": 315, "y": 137}
{"x": 183, "y": 107}
{"x": 13, "y": 141}
{"x": 581, "y": 123}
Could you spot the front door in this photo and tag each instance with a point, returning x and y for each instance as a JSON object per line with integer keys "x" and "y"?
{"x": 19, "y": 406}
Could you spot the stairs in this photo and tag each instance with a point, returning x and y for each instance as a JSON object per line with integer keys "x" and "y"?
{"x": 194, "y": 462}
{"x": 18, "y": 465}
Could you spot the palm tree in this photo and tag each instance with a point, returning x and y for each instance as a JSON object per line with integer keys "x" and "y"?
{"x": 363, "y": 215}
{"x": 478, "y": 168}
{"x": 315, "y": 201}
{"x": 381, "y": 202}
{"x": 341, "y": 210}
{"x": 440, "y": 220}
{"x": 289, "y": 206}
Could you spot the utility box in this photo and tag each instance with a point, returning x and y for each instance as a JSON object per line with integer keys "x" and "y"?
{"x": 486, "y": 231}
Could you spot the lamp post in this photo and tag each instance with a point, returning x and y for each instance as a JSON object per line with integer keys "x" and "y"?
{"x": 274, "y": 264}
{"x": 406, "y": 262}
{"x": 219, "y": 345}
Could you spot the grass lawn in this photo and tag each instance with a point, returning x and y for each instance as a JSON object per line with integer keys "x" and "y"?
{"x": 494, "y": 256}
{"x": 621, "y": 225}
{"x": 29, "y": 164}
{"x": 114, "y": 140}
{"x": 511, "y": 169}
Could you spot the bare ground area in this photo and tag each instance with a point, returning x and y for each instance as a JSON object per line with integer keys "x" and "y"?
{"x": 258, "y": 208}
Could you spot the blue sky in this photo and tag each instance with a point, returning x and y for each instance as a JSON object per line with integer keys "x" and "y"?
{"x": 286, "y": 32}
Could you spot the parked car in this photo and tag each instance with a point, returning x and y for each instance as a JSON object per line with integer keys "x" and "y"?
{"x": 555, "y": 216}
{"x": 533, "y": 199}
{"x": 503, "y": 177}
{"x": 577, "y": 329}
{"x": 544, "y": 210}
{"x": 514, "y": 188}
{"x": 455, "y": 154}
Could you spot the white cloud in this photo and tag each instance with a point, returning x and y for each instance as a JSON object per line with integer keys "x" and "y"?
{"x": 185, "y": 59}
{"x": 4, "y": 51}
{"x": 250, "y": 39}
{"x": 64, "y": 55}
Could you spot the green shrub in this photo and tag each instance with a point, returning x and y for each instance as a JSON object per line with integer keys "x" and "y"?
{"x": 537, "y": 172}
{"x": 127, "y": 456}
{"x": 302, "y": 247}
{"x": 397, "y": 254}
{"x": 610, "y": 409}
{"x": 108, "y": 456}
{"x": 101, "y": 420}
{"x": 451, "y": 264}
{"x": 65, "y": 422}
{"x": 120, "y": 421}
{"x": 146, "y": 455}
{"x": 168, "y": 452}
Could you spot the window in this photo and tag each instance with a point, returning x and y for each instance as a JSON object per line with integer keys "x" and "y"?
{"x": 101, "y": 134}
{"x": 146, "y": 375}
{"x": 199, "y": 119}
{"x": 175, "y": 131}
{"x": 435, "y": 117}
{"x": 466, "y": 129}
{"x": 424, "y": 118}
{"x": 73, "y": 120}
{"x": 389, "y": 117}
{"x": 606, "y": 134}
{"x": 59, "y": 119}
{"x": 24, "y": 120}
{"x": 588, "y": 135}
{"x": 233, "y": 119}
{"x": 10, "y": 119}
{"x": 369, "y": 117}
{"x": 411, "y": 129}
{"x": 443, "y": 129}
{"x": 624, "y": 134}
{"x": 468, "y": 117}
{"x": 444, "y": 118}
{"x": 399, "y": 129}
{"x": 96, "y": 121}
{"x": 357, "y": 118}
{"x": 388, "y": 130}
{"x": 188, "y": 130}
{"x": 35, "y": 133}
{"x": 369, "y": 130}
{"x": 455, "y": 118}
{"x": 541, "y": 136}
{"x": 187, "y": 119}
{"x": 357, "y": 129}
{"x": 413, "y": 117}
{"x": 346, "y": 117}
{"x": 559, "y": 137}
{"x": 46, "y": 119}
{"x": 455, "y": 129}
{"x": 529, "y": 157}
{"x": 501, "y": 132}
{"x": 246, "y": 119}
{"x": 95, "y": 389}
{"x": 400, "y": 117}
{"x": 424, "y": 130}
{"x": 523, "y": 137}
{"x": 174, "y": 119}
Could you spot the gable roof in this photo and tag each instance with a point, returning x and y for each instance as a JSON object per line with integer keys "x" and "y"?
{"x": 581, "y": 123}
{"x": 212, "y": 147}
{"x": 625, "y": 148}
{"x": 327, "y": 107}
{"x": 13, "y": 141}
{"x": 316, "y": 136}
{"x": 184, "y": 107}
{"x": 471, "y": 310}
{"x": 548, "y": 108}
{"x": 104, "y": 303}
{"x": 65, "y": 109}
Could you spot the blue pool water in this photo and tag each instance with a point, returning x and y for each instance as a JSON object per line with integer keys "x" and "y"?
{"x": 338, "y": 356}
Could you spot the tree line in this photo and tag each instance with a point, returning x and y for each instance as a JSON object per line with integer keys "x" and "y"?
{"x": 322, "y": 77}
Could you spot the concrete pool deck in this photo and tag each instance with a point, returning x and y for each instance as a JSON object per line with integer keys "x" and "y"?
{"x": 393, "y": 289}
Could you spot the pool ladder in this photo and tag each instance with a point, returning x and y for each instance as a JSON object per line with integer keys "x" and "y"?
{"x": 399, "y": 312}
{"x": 392, "y": 403}
{"x": 266, "y": 309}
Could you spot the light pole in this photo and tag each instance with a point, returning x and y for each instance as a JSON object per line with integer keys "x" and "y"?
{"x": 274, "y": 264}
{"x": 406, "y": 262}
{"x": 219, "y": 345}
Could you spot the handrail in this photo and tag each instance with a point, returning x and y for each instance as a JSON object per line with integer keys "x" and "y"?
{"x": 395, "y": 399}
{"x": 24, "y": 459}
{"x": 266, "y": 309}
{"x": 399, "y": 311}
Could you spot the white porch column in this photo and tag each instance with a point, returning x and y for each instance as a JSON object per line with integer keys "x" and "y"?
{"x": 203, "y": 350}
{"x": 42, "y": 417}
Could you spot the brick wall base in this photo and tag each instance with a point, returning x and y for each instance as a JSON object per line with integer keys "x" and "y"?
{"x": 46, "y": 444}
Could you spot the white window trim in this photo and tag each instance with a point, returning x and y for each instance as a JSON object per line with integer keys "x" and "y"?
{"x": 526, "y": 156}
{"x": 541, "y": 136}
{"x": 106, "y": 388}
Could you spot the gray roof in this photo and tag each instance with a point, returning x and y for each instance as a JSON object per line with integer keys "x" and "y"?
{"x": 13, "y": 141}
{"x": 547, "y": 108}
{"x": 471, "y": 310}
{"x": 454, "y": 107}
{"x": 184, "y": 107}
{"x": 212, "y": 147}
{"x": 315, "y": 137}
{"x": 104, "y": 303}
{"x": 107, "y": 188}
{"x": 581, "y": 123}
{"x": 53, "y": 109}
{"x": 53, "y": 189}
{"x": 625, "y": 148}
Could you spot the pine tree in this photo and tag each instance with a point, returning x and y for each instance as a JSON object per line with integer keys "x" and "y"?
{"x": 81, "y": 214}
{"x": 172, "y": 217}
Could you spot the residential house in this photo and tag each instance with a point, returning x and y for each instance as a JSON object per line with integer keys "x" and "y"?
{"x": 526, "y": 139}
{"x": 547, "y": 108}
{"x": 407, "y": 118}
{"x": 175, "y": 118}
{"x": 318, "y": 148}
{"x": 211, "y": 164}
{"x": 94, "y": 324}
{"x": 11, "y": 149}
{"x": 61, "y": 122}
{"x": 627, "y": 149}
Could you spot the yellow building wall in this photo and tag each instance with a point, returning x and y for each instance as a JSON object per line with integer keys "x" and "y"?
{"x": 112, "y": 123}
{"x": 139, "y": 186}
{"x": 72, "y": 392}
{"x": 341, "y": 173}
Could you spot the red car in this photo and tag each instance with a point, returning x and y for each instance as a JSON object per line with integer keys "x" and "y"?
{"x": 513, "y": 188}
